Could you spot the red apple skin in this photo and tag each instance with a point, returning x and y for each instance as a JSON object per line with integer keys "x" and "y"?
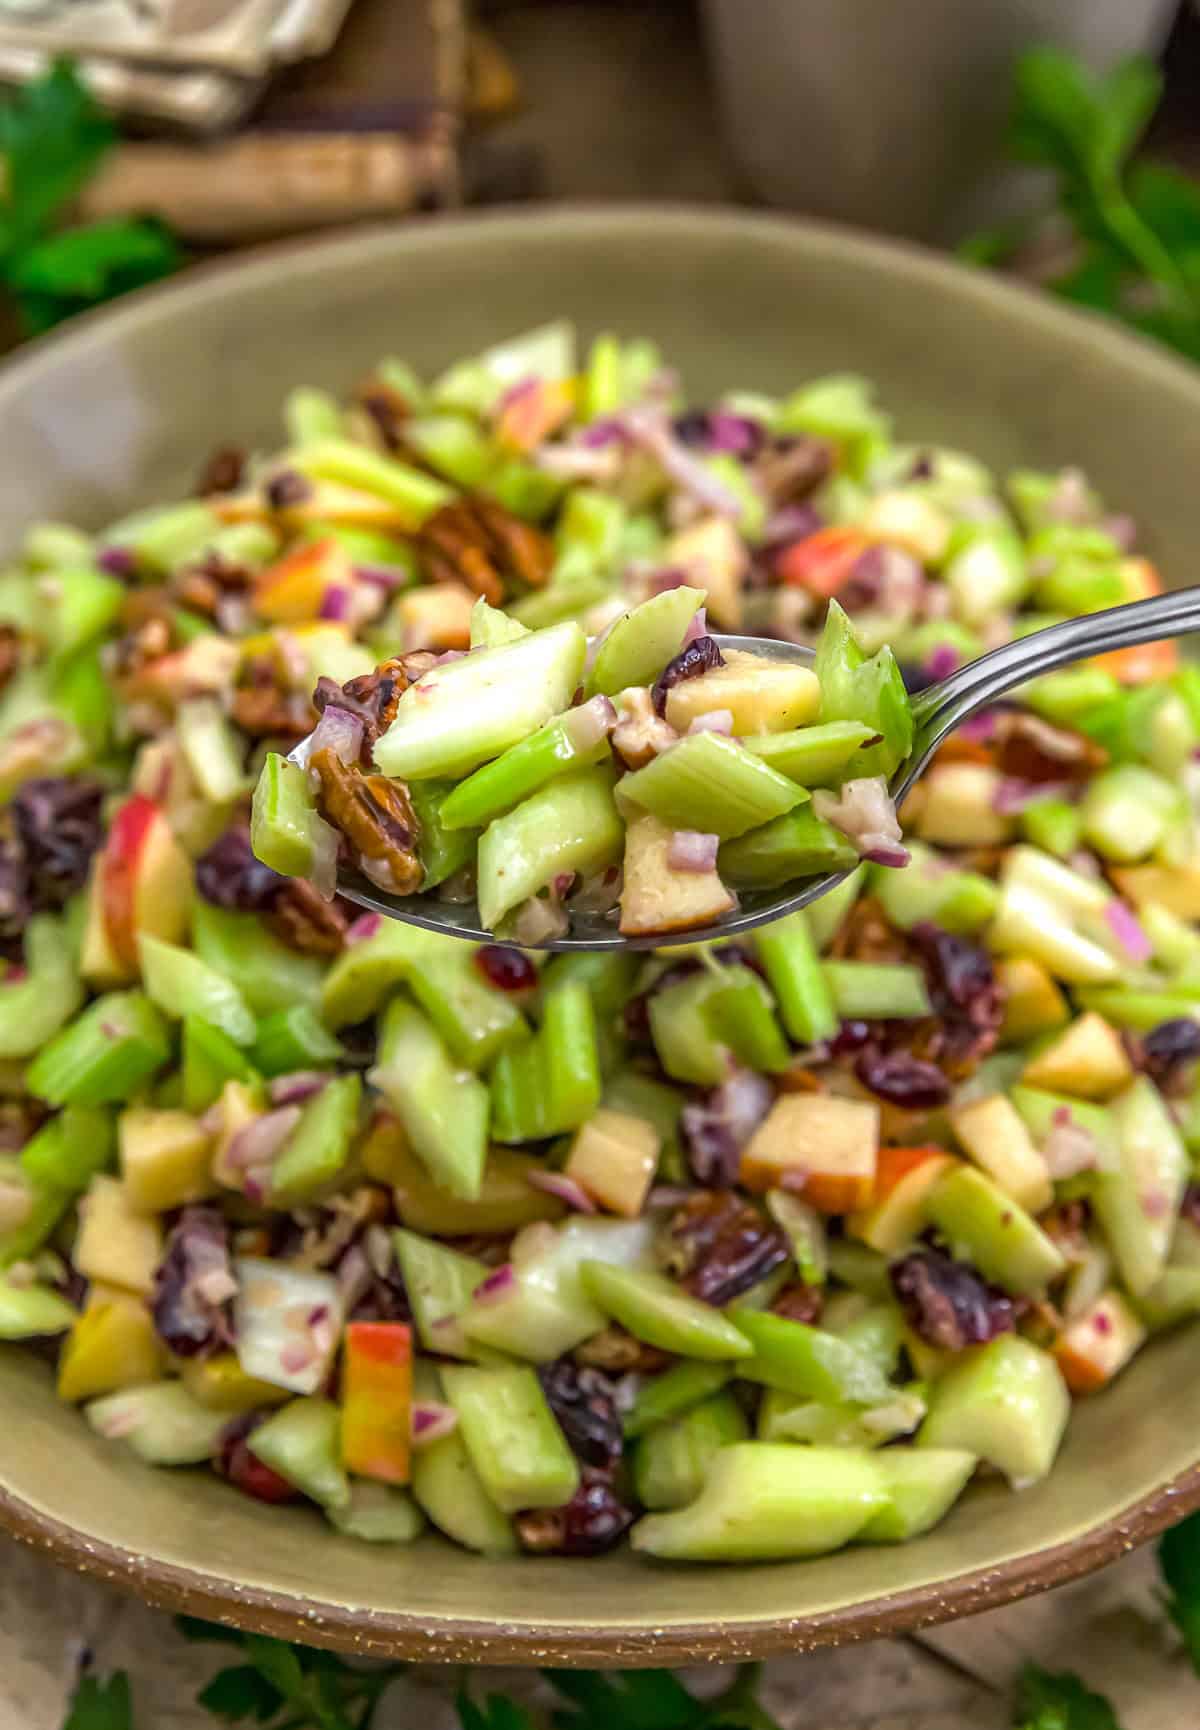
{"x": 145, "y": 880}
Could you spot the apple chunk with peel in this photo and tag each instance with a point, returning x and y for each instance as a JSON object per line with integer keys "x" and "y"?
{"x": 294, "y": 589}
{"x": 657, "y": 898}
{"x": 762, "y": 696}
{"x": 613, "y": 1158}
{"x": 141, "y": 885}
{"x": 896, "y": 1214}
{"x": 1098, "y": 1344}
{"x": 825, "y": 1147}
{"x": 713, "y": 555}
{"x": 1087, "y": 1060}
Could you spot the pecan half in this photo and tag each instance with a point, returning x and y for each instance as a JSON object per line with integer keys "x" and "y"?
{"x": 307, "y": 922}
{"x": 265, "y": 712}
{"x": 376, "y": 818}
{"x": 615, "y": 1350}
{"x": 477, "y": 542}
{"x": 373, "y": 697}
{"x": 1030, "y": 749}
{"x": 223, "y": 472}
{"x": 10, "y": 653}
{"x": 386, "y": 409}
{"x": 865, "y": 935}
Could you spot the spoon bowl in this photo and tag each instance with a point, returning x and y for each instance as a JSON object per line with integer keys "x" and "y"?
{"x": 937, "y": 712}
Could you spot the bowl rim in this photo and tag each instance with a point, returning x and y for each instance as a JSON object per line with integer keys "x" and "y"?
{"x": 402, "y": 1635}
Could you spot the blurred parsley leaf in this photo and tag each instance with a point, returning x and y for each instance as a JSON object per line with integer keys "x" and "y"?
{"x": 100, "y": 1705}
{"x": 498, "y": 1712}
{"x": 53, "y": 137}
{"x": 1179, "y": 1565}
{"x": 655, "y": 1700}
{"x": 1059, "y": 1701}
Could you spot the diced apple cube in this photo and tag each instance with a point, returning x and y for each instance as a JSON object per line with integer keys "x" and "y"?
{"x": 822, "y": 1146}
{"x": 1098, "y": 1344}
{"x": 714, "y": 558}
{"x": 438, "y": 617}
{"x": 994, "y": 1135}
{"x": 1087, "y": 1060}
{"x": 613, "y": 1158}
{"x": 1033, "y": 1003}
{"x": 959, "y": 807}
{"x": 762, "y": 696}
{"x": 236, "y": 1109}
{"x": 166, "y": 1159}
{"x": 113, "y": 1345}
{"x": 141, "y": 884}
{"x": 903, "y": 518}
{"x": 115, "y": 1244}
{"x": 294, "y": 589}
{"x": 377, "y": 1400}
{"x": 1175, "y": 887}
{"x": 895, "y": 1215}
{"x": 657, "y": 898}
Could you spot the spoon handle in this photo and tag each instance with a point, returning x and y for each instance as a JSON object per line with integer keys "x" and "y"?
{"x": 945, "y": 706}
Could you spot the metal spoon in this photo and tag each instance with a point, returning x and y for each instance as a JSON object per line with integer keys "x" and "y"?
{"x": 937, "y": 711}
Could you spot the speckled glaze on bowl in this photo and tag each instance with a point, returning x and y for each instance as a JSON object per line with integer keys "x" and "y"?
{"x": 121, "y": 409}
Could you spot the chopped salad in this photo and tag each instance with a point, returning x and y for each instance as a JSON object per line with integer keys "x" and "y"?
{"x": 748, "y": 1250}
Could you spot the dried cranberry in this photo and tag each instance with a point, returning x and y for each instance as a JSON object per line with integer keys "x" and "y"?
{"x": 193, "y": 1286}
{"x": 288, "y": 488}
{"x": 359, "y": 1043}
{"x": 58, "y": 828}
{"x": 229, "y": 875}
{"x": 1190, "y": 1206}
{"x": 692, "y": 428}
{"x": 719, "y": 1245}
{"x": 245, "y": 1470}
{"x": 799, "y": 1302}
{"x": 948, "y": 1303}
{"x": 506, "y": 968}
{"x": 1169, "y": 1050}
{"x": 223, "y": 472}
{"x": 593, "y": 1520}
{"x": 850, "y": 1037}
{"x": 699, "y": 656}
{"x": 16, "y": 896}
{"x": 915, "y": 678}
{"x": 902, "y": 1079}
{"x": 966, "y": 995}
{"x": 582, "y": 1401}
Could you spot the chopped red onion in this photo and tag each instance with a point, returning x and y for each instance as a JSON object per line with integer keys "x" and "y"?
{"x": 791, "y": 523}
{"x": 258, "y": 1142}
{"x": 697, "y": 627}
{"x": 1069, "y": 1148}
{"x": 1122, "y": 529}
{"x": 660, "y": 581}
{"x": 652, "y": 431}
{"x": 589, "y": 723}
{"x": 1014, "y": 794}
{"x": 864, "y": 812}
{"x": 1155, "y": 1203}
{"x": 117, "y": 561}
{"x": 499, "y": 1283}
{"x": 365, "y": 926}
{"x": 337, "y": 730}
{"x": 540, "y": 919}
{"x": 716, "y": 721}
{"x": 979, "y": 728}
{"x": 1071, "y": 500}
{"x": 600, "y": 464}
{"x": 430, "y": 1421}
{"x": 557, "y": 1183}
{"x": 323, "y": 876}
{"x": 941, "y": 662}
{"x": 335, "y": 603}
{"x": 1128, "y": 932}
{"x": 690, "y": 850}
{"x": 300, "y": 1084}
{"x": 668, "y": 1195}
{"x": 384, "y": 576}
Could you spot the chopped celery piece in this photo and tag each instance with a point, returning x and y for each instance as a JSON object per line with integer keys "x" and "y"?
{"x": 570, "y": 825}
{"x": 161, "y": 1422}
{"x": 871, "y": 691}
{"x": 181, "y": 985}
{"x": 672, "y": 1460}
{"x": 367, "y": 972}
{"x": 1041, "y": 1111}
{"x": 808, "y": 1361}
{"x": 42, "y": 1206}
{"x": 415, "y": 495}
{"x": 1006, "y": 1403}
{"x": 609, "y": 978}
{"x": 1126, "y": 811}
{"x": 268, "y": 973}
{"x": 453, "y": 446}
{"x": 34, "y": 1007}
{"x": 1137, "y": 1203}
{"x": 301, "y": 1442}
{"x": 766, "y": 1501}
{"x": 839, "y": 408}
{"x": 987, "y": 573}
{"x": 641, "y": 643}
{"x": 1143, "y": 1010}
{"x": 927, "y": 890}
{"x": 549, "y": 1083}
{"x": 210, "y": 1059}
{"x": 674, "y": 1392}
{"x": 444, "y": 1110}
{"x": 368, "y": 547}
{"x": 165, "y": 536}
{"x": 877, "y": 991}
{"x": 66, "y": 1153}
{"x": 983, "y": 1223}
{"x": 511, "y": 1437}
{"x": 797, "y": 844}
{"x": 439, "y": 1282}
{"x": 311, "y": 415}
{"x": 285, "y": 828}
{"x": 1067, "y": 698}
{"x": 458, "y": 715}
{"x": 522, "y": 770}
{"x": 1053, "y": 825}
{"x": 47, "y": 545}
{"x": 794, "y": 973}
{"x": 741, "y": 1014}
{"x": 319, "y": 1146}
{"x": 475, "y": 385}
{"x": 922, "y": 1484}
{"x": 490, "y": 627}
{"x": 294, "y": 1038}
{"x": 28, "y": 1311}
{"x": 74, "y": 606}
{"x": 83, "y": 693}
{"x": 813, "y": 756}
{"x": 804, "y": 1229}
{"x": 825, "y": 916}
{"x": 654, "y": 1309}
{"x": 476, "y": 1020}
{"x": 103, "y": 1056}
{"x": 562, "y": 601}
{"x": 616, "y": 374}
{"x": 378, "y": 1514}
{"x": 213, "y": 750}
{"x": 448, "y": 1489}
{"x": 687, "y": 1046}
{"x": 710, "y": 782}
{"x": 442, "y": 851}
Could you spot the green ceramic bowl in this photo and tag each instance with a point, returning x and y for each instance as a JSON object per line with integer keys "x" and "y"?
{"x": 121, "y": 409}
